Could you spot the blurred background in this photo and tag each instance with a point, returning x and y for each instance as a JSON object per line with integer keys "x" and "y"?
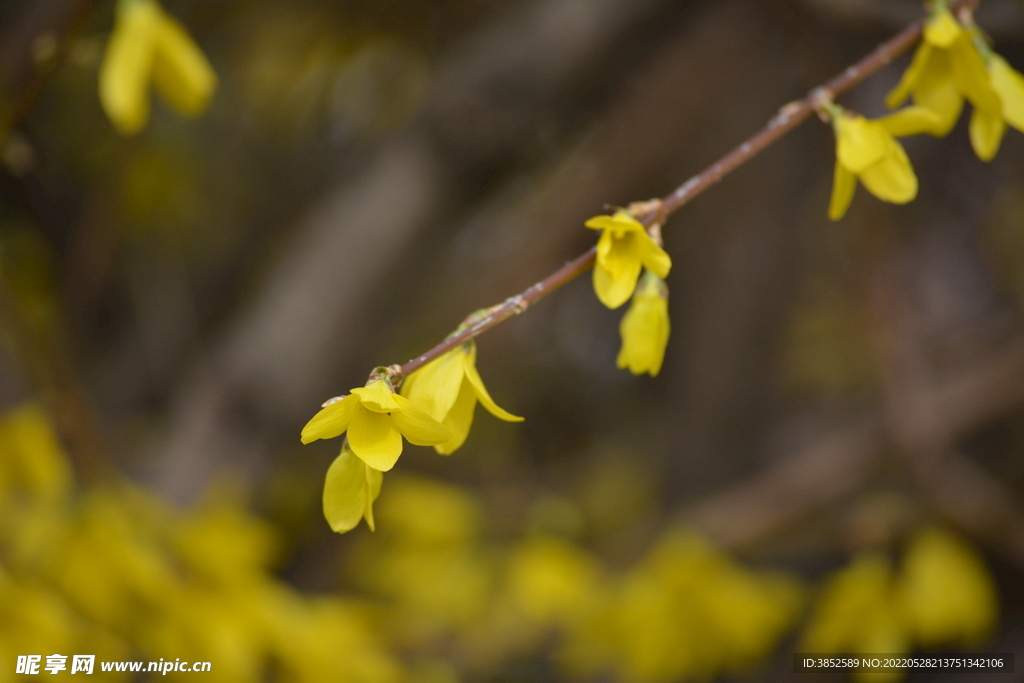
{"x": 832, "y": 458}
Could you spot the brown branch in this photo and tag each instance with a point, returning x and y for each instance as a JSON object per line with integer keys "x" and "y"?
{"x": 789, "y": 117}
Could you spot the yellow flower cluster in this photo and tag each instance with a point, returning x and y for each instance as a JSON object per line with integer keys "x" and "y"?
{"x": 147, "y": 45}
{"x": 435, "y": 409}
{"x": 942, "y": 596}
{"x": 115, "y": 573}
{"x": 624, "y": 250}
{"x": 684, "y": 611}
{"x": 952, "y": 64}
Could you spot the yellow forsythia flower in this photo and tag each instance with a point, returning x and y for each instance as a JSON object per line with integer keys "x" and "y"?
{"x": 376, "y": 419}
{"x": 857, "y": 614}
{"x": 349, "y": 491}
{"x": 868, "y": 150}
{"x": 622, "y": 250}
{"x": 448, "y": 389}
{"x": 947, "y": 67}
{"x": 946, "y": 593}
{"x": 645, "y": 328}
{"x": 33, "y": 460}
{"x": 149, "y": 45}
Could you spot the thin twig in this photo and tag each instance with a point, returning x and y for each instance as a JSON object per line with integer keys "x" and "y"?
{"x": 789, "y": 117}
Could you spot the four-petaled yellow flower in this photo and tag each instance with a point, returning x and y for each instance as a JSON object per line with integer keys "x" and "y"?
{"x": 448, "y": 388}
{"x": 868, "y": 150}
{"x": 623, "y": 249}
{"x": 349, "y": 491}
{"x": 645, "y": 328}
{"x": 148, "y": 44}
{"x": 949, "y": 66}
{"x": 376, "y": 419}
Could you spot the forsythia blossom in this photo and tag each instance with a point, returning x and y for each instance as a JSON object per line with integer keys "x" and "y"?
{"x": 448, "y": 388}
{"x": 148, "y": 44}
{"x": 952, "y": 63}
{"x": 868, "y": 150}
{"x": 623, "y": 249}
{"x": 376, "y": 419}
{"x": 941, "y": 595}
{"x": 947, "y": 595}
{"x": 645, "y": 327}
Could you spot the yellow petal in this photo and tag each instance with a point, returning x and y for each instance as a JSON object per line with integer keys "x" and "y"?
{"x": 859, "y": 142}
{"x": 936, "y": 90}
{"x": 844, "y": 184}
{"x": 901, "y": 92}
{"x": 942, "y": 29}
{"x": 619, "y": 255}
{"x": 127, "y": 64}
{"x": 435, "y": 386}
{"x": 1009, "y": 84}
{"x": 346, "y": 494}
{"x": 417, "y": 425}
{"x": 469, "y": 366}
{"x": 971, "y": 75}
{"x": 644, "y": 330}
{"x": 377, "y": 396}
{"x": 331, "y": 421}
{"x": 621, "y": 221}
{"x": 374, "y": 480}
{"x": 653, "y": 257}
{"x": 986, "y": 132}
{"x": 892, "y": 179}
{"x": 611, "y": 292}
{"x": 910, "y": 121}
{"x": 181, "y": 72}
{"x": 459, "y": 420}
{"x": 375, "y": 439}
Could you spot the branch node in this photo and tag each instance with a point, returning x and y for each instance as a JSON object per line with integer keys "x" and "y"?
{"x": 821, "y": 102}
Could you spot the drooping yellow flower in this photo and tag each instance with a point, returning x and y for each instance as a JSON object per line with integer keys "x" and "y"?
{"x": 349, "y": 491}
{"x": 645, "y": 328}
{"x": 868, "y": 150}
{"x": 448, "y": 388}
{"x": 623, "y": 249}
{"x": 950, "y": 65}
{"x": 946, "y": 593}
{"x": 376, "y": 419}
{"x": 988, "y": 126}
{"x": 149, "y": 45}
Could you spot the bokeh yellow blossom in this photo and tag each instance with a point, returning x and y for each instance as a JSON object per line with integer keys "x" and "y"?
{"x": 645, "y": 328}
{"x": 147, "y": 45}
{"x": 448, "y": 388}
{"x": 623, "y": 249}
{"x": 376, "y": 419}
{"x": 868, "y": 150}
{"x": 689, "y": 611}
{"x": 941, "y": 596}
{"x": 857, "y": 613}
{"x": 946, "y": 593}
